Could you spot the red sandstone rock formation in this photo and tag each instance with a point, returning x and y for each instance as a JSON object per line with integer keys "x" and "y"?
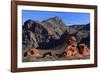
{"x": 32, "y": 53}
{"x": 71, "y": 50}
{"x": 84, "y": 50}
{"x": 72, "y": 40}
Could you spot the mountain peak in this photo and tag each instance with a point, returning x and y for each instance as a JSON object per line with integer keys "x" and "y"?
{"x": 55, "y": 18}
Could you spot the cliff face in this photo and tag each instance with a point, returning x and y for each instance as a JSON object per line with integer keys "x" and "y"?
{"x": 51, "y": 33}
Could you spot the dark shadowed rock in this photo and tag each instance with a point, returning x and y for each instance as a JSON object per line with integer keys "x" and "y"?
{"x": 87, "y": 27}
{"x": 83, "y": 33}
{"x": 86, "y": 41}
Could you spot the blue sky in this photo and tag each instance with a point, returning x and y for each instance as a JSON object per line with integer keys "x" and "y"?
{"x": 69, "y": 18}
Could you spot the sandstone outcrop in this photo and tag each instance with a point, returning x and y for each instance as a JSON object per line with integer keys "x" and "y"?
{"x": 71, "y": 50}
{"x": 32, "y": 53}
{"x": 84, "y": 50}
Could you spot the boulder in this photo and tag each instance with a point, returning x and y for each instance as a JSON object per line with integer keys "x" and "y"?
{"x": 84, "y": 50}
{"x": 32, "y": 53}
{"x": 71, "y": 50}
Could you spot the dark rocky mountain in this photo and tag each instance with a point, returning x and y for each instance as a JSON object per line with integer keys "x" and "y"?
{"x": 55, "y": 26}
{"x": 80, "y": 31}
{"x": 74, "y": 28}
{"x": 86, "y": 27}
{"x": 83, "y": 32}
{"x": 84, "y": 35}
{"x": 51, "y": 33}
